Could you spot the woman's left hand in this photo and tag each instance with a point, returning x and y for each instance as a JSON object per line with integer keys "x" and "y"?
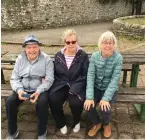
{"x": 35, "y": 95}
{"x": 105, "y": 105}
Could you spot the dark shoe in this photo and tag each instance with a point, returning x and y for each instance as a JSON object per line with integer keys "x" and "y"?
{"x": 93, "y": 131}
{"x": 107, "y": 131}
{"x": 43, "y": 136}
{"x": 14, "y": 136}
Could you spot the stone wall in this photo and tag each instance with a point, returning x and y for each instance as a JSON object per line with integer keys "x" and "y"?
{"x": 29, "y": 14}
{"x": 120, "y": 27}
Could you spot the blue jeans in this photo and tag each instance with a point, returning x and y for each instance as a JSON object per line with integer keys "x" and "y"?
{"x": 106, "y": 116}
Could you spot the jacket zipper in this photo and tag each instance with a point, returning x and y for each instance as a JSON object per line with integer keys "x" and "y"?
{"x": 29, "y": 79}
{"x": 77, "y": 96}
{"x": 62, "y": 60}
{"x": 76, "y": 57}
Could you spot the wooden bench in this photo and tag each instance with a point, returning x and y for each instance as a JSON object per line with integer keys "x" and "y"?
{"x": 131, "y": 94}
{"x": 125, "y": 94}
{"x": 10, "y": 65}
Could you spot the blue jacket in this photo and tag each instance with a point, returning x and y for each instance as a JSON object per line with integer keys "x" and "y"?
{"x": 104, "y": 74}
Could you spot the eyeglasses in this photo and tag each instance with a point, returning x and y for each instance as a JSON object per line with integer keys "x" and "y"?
{"x": 68, "y": 42}
{"x": 109, "y": 43}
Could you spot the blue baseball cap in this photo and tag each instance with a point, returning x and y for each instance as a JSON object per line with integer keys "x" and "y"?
{"x": 30, "y": 39}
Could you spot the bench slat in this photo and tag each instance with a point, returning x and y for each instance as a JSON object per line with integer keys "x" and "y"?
{"x": 131, "y": 91}
{"x": 126, "y": 94}
{"x": 6, "y": 87}
{"x": 6, "y": 93}
{"x": 131, "y": 99}
{"x": 126, "y": 67}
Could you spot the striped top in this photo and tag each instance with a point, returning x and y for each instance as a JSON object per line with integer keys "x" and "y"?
{"x": 69, "y": 60}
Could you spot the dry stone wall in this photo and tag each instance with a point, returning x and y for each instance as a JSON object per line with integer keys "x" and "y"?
{"x": 121, "y": 27}
{"x": 29, "y": 14}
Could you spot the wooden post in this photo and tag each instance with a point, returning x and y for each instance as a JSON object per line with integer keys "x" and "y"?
{"x": 133, "y": 83}
{"x": 142, "y": 113}
{"x": 124, "y": 77}
{"x": 134, "y": 75}
{"x": 2, "y": 77}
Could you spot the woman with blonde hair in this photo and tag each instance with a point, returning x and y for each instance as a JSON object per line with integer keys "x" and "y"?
{"x": 102, "y": 83}
{"x": 70, "y": 71}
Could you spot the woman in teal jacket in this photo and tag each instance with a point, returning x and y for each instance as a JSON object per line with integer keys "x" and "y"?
{"x": 102, "y": 83}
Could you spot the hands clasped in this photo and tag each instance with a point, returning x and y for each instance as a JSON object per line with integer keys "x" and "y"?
{"x": 24, "y": 96}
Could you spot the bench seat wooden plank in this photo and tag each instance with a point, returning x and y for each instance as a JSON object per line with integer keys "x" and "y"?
{"x": 140, "y": 99}
{"x": 125, "y": 94}
{"x": 120, "y": 98}
{"x": 131, "y": 91}
{"x": 126, "y": 67}
{"x": 6, "y": 93}
{"x": 6, "y": 87}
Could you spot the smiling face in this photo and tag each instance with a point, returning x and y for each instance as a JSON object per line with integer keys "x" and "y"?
{"x": 107, "y": 47}
{"x": 71, "y": 43}
{"x": 32, "y": 51}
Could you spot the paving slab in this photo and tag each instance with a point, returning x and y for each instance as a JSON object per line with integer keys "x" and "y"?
{"x": 51, "y": 129}
{"x": 22, "y": 125}
{"x": 124, "y": 128}
{"x": 126, "y": 136}
{"x": 139, "y": 128}
{"x": 114, "y": 135}
{"x": 139, "y": 136}
{"x": 3, "y": 133}
{"x": 98, "y": 136}
{"x": 32, "y": 127}
{"x": 28, "y": 135}
{"x": 79, "y": 135}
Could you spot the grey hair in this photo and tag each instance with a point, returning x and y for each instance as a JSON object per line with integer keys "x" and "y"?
{"x": 68, "y": 32}
{"x": 107, "y": 36}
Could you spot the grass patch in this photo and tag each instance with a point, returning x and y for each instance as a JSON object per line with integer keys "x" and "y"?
{"x": 140, "y": 21}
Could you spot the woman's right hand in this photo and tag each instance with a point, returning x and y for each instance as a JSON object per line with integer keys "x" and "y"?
{"x": 88, "y": 103}
{"x": 20, "y": 95}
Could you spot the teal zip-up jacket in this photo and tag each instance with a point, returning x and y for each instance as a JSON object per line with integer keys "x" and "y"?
{"x": 104, "y": 74}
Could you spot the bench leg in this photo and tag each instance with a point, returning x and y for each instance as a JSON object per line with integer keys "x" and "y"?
{"x": 2, "y": 77}
{"x": 124, "y": 77}
{"x": 133, "y": 83}
{"x": 138, "y": 108}
{"x": 142, "y": 113}
{"x": 134, "y": 75}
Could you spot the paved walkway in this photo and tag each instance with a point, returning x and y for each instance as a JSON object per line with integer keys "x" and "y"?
{"x": 125, "y": 124}
{"x": 88, "y": 34}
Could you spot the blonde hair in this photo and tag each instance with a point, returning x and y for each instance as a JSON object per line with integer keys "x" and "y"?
{"x": 68, "y": 32}
{"x": 107, "y": 36}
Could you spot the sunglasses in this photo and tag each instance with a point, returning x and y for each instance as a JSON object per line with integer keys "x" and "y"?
{"x": 68, "y": 42}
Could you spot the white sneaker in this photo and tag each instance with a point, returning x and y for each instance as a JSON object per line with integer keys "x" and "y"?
{"x": 76, "y": 128}
{"x": 63, "y": 130}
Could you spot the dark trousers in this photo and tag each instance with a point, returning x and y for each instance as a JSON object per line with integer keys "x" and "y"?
{"x": 12, "y": 105}
{"x": 57, "y": 100}
{"x": 93, "y": 115}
